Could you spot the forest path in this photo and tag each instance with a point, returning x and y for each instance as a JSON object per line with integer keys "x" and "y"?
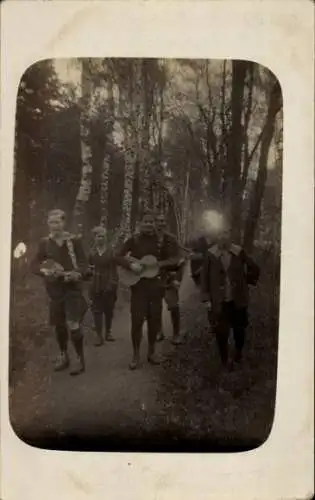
{"x": 107, "y": 399}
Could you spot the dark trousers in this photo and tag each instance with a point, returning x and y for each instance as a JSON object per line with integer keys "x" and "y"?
{"x": 146, "y": 302}
{"x": 230, "y": 317}
{"x": 103, "y": 305}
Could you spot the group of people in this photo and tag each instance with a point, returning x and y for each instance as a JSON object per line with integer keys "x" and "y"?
{"x": 68, "y": 304}
{"x": 222, "y": 270}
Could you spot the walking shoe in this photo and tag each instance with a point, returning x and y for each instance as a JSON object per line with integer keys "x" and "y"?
{"x": 62, "y": 362}
{"x": 153, "y": 359}
{"x": 99, "y": 342}
{"x": 109, "y": 337}
{"x": 135, "y": 363}
{"x": 160, "y": 337}
{"x": 177, "y": 340}
{"x": 79, "y": 367}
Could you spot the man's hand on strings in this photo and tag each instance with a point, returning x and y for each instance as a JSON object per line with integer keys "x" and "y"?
{"x": 136, "y": 267}
{"x": 73, "y": 276}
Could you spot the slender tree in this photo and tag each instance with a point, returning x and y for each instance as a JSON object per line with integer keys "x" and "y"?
{"x": 233, "y": 198}
{"x": 109, "y": 126}
{"x": 274, "y": 106}
{"x": 84, "y": 191}
{"x": 130, "y": 145}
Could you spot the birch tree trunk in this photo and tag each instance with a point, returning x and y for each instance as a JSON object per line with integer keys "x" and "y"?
{"x": 86, "y": 153}
{"x": 144, "y": 143}
{"x": 130, "y": 156}
{"x": 106, "y": 160}
{"x": 128, "y": 184}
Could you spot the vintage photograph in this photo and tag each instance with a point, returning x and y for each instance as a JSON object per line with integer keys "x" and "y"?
{"x": 146, "y": 250}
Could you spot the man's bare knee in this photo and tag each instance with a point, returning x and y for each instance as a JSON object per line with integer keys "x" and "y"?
{"x": 73, "y": 325}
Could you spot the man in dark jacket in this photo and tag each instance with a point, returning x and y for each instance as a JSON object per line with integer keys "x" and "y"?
{"x": 199, "y": 248}
{"x": 201, "y": 243}
{"x": 61, "y": 261}
{"x": 171, "y": 280}
{"x": 226, "y": 275}
{"x": 146, "y": 294}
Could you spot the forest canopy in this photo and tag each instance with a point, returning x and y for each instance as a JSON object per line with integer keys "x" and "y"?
{"x": 106, "y": 139}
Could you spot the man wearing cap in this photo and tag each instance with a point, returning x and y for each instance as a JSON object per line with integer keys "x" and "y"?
{"x": 63, "y": 286}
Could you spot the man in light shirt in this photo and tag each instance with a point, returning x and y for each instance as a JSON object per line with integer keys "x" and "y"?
{"x": 226, "y": 275}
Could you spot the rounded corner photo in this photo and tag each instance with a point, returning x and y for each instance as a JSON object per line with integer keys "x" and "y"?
{"x": 146, "y": 249}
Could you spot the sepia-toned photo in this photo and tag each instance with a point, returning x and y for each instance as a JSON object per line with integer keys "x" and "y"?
{"x": 145, "y": 254}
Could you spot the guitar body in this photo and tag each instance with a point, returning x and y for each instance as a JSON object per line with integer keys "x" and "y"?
{"x": 150, "y": 267}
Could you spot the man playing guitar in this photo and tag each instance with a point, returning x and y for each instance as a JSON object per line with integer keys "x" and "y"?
{"x": 147, "y": 292}
{"x": 61, "y": 261}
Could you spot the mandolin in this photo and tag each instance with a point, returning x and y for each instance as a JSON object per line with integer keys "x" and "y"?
{"x": 52, "y": 270}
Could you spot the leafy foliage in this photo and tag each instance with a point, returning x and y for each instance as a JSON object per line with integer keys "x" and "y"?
{"x": 189, "y": 131}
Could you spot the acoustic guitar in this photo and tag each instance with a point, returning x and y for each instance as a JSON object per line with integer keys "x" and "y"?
{"x": 149, "y": 269}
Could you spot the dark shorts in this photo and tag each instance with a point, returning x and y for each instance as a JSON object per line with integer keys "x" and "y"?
{"x": 232, "y": 317}
{"x": 146, "y": 305}
{"x": 171, "y": 297}
{"x": 71, "y": 307}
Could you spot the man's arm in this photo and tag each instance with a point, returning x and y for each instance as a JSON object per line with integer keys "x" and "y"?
{"x": 199, "y": 247}
{"x": 252, "y": 270}
{"x": 205, "y": 279}
{"x": 82, "y": 260}
{"x": 172, "y": 254}
{"x": 39, "y": 258}
{"x": 121, "y": 256}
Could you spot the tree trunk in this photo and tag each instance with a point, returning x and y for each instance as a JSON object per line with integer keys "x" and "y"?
{"x": 86, "y": 153}
{"x": 275, "y": 103}
{"x": 130, "y": 157}
{"x": 247, "y": 117}
{"x": 234, "y": 163}
{"x": 185, "y": 208}
{"x": 135, "y": 196}
{"x": 106, "y": 160}
{"x": 145, "y": 133}
{"x": 128, "y": 184}
{"x": 21, "y": 191}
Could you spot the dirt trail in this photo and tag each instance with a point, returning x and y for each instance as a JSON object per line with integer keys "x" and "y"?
{"x": 107, "y": 396}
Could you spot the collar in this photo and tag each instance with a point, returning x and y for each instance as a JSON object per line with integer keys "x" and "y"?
{"x": 101, "y": 251}
{"x": 65, "y": 236}
{"x": 216, "y": 252}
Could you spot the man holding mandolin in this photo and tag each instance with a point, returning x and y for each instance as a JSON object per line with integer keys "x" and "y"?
{"x": 144, "y": 259}
{"x": 61, "y": 261}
